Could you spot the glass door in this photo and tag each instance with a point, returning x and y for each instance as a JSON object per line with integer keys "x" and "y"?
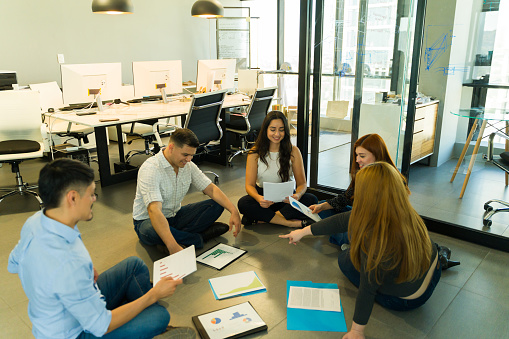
{"x": 365, "y": 48}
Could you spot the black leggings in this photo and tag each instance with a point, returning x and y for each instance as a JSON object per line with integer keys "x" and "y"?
{"x": 249, "y": 207}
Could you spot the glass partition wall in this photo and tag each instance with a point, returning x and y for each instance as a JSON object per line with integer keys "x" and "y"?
{"x": 361, "y": 54}
{"x": 352, "y": 67}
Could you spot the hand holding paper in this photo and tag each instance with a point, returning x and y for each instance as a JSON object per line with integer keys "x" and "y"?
{"x": 278, "y": 192}
{"x": 176, "y": 266}
{"x": 305, "y": 210}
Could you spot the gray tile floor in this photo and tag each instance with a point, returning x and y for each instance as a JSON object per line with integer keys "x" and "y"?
{"x": 470, "y": 301}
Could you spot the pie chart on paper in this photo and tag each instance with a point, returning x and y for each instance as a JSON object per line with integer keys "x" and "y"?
{"x": 215, "y": 321}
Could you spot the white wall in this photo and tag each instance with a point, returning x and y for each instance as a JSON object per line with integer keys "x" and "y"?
{"x": 33, "y": 32}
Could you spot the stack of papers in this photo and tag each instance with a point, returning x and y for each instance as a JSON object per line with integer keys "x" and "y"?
{"x": 236, "y": 284}
{"x": 311, "y": 314}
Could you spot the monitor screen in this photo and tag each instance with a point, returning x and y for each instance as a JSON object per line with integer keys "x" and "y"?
{"x": 79, "y": 79}
{"x": 150, "y": 76}
{"x": 215, "y": 75}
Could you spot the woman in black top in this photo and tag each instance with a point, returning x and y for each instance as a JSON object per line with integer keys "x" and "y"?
{"x": 391, "y": 259}
{"x": 367, "y": 149}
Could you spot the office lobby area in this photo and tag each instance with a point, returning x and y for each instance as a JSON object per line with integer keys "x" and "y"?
{"x": 470, "y": 300}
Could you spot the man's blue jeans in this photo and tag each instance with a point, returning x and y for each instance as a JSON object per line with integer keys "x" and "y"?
{"x": 389, "y": 301}
{"x": 185, "y": 226}
{"x": 123, "y": 283}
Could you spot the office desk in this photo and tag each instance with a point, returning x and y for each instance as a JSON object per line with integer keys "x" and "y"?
{"x": 135, "y": 113}
{"x": 482, "y": 117}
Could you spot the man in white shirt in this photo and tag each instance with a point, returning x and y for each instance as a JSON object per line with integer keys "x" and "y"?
{"x": 163, "y": 181}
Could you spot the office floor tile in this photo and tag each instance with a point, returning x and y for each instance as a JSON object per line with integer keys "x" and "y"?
{"x": 21, "y": 311}
{"x": 491, "y": 277}
{"x": 470, "y": 255}
{"x": 12, "y": 326}
{"x": 471, "y": 315}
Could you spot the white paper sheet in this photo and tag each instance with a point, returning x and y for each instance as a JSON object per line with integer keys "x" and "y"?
{"x": 322, "y": 299}
{"x": 177, "y": 265}
{"x": 236, "y": 284}
{"x": 304, "y": 209}
{"x": 220, "y": 256}
{"x": 277, "y": 192}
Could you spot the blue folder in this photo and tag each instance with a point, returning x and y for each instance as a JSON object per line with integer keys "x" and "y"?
{"x": 313, "y": 320}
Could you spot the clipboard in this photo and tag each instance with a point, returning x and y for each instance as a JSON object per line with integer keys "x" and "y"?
{"x": 230, "y": 322}
{"x": 225, "y": 255}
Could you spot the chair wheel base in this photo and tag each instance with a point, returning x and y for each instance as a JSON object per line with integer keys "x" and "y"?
{"x": 487, "y": 223}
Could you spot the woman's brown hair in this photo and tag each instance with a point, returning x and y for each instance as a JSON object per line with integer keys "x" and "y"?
{"x": 385, "y": 228}
{"x": 376, "y": 146}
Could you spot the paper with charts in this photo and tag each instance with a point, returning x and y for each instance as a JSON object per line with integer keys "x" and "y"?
{"x": 236, "y": 284}
{"x": 177, "y": 265}
{"x": 304, "y": 209}
{"x": 219, "y": 256}
{"x": 233, "y": 321}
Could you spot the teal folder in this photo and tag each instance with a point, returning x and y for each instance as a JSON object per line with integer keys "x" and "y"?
{"x": 313, "y": 320}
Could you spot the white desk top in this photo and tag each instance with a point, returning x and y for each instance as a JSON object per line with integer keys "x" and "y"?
{"x": 140, "y": 111}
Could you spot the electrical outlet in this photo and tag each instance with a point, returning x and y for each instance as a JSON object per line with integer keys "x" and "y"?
{"x": 60, "y": 58}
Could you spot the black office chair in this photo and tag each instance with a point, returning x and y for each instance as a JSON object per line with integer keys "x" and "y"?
{"x": 251, "y": 121}
{"x": 150, "y": 131}
{"x": 503, "y": 164}
{"x": 203, "y": 120}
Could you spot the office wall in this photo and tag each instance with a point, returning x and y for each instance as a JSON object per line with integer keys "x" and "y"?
{"x": 33, "y": 32}
{"x": 445, "y": 62}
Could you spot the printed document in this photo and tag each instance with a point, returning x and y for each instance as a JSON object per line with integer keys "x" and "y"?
{"x": 321, "y": 299}
{"x": 177, "y": 265}
{"x": 304, "y": 209}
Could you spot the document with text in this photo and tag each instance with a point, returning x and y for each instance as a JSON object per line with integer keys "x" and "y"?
{"x": 321, "y": 299}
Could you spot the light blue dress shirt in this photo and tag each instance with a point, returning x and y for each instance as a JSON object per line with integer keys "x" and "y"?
{"x": 57, "y": 275}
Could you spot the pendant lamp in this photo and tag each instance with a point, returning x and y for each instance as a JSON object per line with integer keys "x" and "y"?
{"x": 208, "y": 9}
{"x": 112, "y": 6}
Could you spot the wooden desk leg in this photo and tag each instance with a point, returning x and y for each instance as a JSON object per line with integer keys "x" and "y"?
{"x": 462, "y": 156}
{"x": 472, "y": 161}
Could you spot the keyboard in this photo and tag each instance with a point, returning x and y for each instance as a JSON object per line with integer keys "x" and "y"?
{"x": 86, "y": 112}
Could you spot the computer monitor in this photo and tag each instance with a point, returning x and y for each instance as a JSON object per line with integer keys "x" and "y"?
{"x": 215, "y": 75}
{"x": 84, "y": 83}
{"x": 157, "y": 78}
{"x": 7, "y": 79}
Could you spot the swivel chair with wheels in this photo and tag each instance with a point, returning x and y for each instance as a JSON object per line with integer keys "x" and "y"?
{"x": 203, "y": 120}
{"x": 252, "y": 120}
{"x": 21, "y": 136}
{"x": 51, "y": 97}
{"x": 503, "y": 164}
{"x": 150, "y": 131}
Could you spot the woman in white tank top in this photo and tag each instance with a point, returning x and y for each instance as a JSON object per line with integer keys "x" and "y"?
{"x": 274, "y": 159}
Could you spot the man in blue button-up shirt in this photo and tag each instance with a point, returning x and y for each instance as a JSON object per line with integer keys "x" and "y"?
{"x": 67, "y": 299}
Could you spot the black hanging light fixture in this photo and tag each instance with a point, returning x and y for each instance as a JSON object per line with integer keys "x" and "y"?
{"x": 112, "y": 6}
{"x": 208, "y": 9}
